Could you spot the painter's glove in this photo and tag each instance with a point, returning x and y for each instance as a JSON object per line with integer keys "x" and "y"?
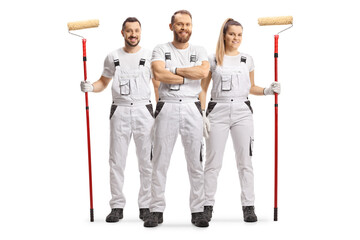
{"x": 86, "y": 86}
{"x": 206, "y": 125}
{"x": 274, "y": 88}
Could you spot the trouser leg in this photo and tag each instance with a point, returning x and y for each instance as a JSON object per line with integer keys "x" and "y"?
{"x": 166, "y": 129}
{"x": 143, "y": 122}
{"x": 242, "y": 133}
{"x": 215, "y": 146}
{"x": 191, "y": 126}
{"x": 120, "y": 135}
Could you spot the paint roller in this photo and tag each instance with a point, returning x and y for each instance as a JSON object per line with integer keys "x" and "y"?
{"x": 269, "y": 21}
{"x": 77, "y": 26}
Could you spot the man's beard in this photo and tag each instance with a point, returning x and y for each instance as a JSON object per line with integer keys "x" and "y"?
{"x": 132, "y": 44}
{"x": 182, "y": 39}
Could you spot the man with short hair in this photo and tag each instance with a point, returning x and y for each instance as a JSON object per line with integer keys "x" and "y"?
{"x": 131, "y": 115}
{"x": 179, "y": 66}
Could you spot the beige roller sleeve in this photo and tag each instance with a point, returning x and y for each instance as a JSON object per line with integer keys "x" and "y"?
{"x": 275, "y": 20}
{"x": 83, "y": 24}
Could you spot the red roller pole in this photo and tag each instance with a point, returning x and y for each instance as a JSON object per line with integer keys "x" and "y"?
{"x": 276, "y": 133}
{"x": 267, "y": 21}
{"x": 88, "y": 133}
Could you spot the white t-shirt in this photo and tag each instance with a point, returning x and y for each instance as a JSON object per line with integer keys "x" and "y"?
{"x": 181, "y": 58}
{"x": 232, "y": 79}
{"x": 131, "y": 73}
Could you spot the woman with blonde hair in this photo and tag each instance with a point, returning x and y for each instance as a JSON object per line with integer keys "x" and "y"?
{"x": 229, "y": 110}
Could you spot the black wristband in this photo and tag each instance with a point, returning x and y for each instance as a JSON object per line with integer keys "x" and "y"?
{"x": 175, "y": 71}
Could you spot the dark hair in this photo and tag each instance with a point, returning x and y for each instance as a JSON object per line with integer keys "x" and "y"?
{"x": 130, "y": 19}
{"x": 181, "y": 12}
{"x": 229, "y": 23}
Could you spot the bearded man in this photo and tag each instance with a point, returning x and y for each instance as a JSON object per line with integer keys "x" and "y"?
{"x": 179, "y": 67}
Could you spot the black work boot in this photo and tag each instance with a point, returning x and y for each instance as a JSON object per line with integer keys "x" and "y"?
{"x": 199, "y": 219}
{"x": 208, "y": 212}
{"x": 115, "y": 215}
{"x": 249, "y": 214}
{"x": 143, "y": 212}
{"x": 153, "y": 219}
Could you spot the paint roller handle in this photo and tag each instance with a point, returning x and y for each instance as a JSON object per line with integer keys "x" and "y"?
{"x": 88, "y": 133}
{"x": 276, "y": 55}
{"x": 276, "y": 132}
{"x": 276, "y": 46}
{"x": 84, "y": 58}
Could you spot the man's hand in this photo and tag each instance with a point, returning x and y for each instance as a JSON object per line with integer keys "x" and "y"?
{"x": 86, "y": 86}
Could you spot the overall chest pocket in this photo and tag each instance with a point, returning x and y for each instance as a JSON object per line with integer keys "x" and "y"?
{"x": 226, "y": 82}
{"x": 235, "y": 78}
{"x": 124, "y": 86}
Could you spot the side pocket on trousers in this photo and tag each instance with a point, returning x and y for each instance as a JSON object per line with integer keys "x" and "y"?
{"x": 198, "y": 105}
{"x": 251, "y": 146}
{"x": 202, "y": 151}
{"x": 112, "y": 111}
{"x": 151, "y": 153}
{"x": 159, "y": 106}
{"x": 211, "y": 106}
{"x": 248, "y": 104}
{"x": 150, "y": 108}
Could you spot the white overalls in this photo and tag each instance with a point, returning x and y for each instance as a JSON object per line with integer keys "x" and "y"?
{"x": 230, "y": 110}
{"x": 178, "y": 111}
{"x": 131, "y": 115}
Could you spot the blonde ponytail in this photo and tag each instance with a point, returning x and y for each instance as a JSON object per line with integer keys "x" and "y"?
{"x": 220, "y": 46}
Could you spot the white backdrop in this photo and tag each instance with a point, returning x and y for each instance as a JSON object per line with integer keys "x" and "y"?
{"x": 43, "y": 172}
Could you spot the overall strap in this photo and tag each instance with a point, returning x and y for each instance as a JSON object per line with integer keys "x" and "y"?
{"x": 116, "y": 60}
{"x": 142, "y": 62}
